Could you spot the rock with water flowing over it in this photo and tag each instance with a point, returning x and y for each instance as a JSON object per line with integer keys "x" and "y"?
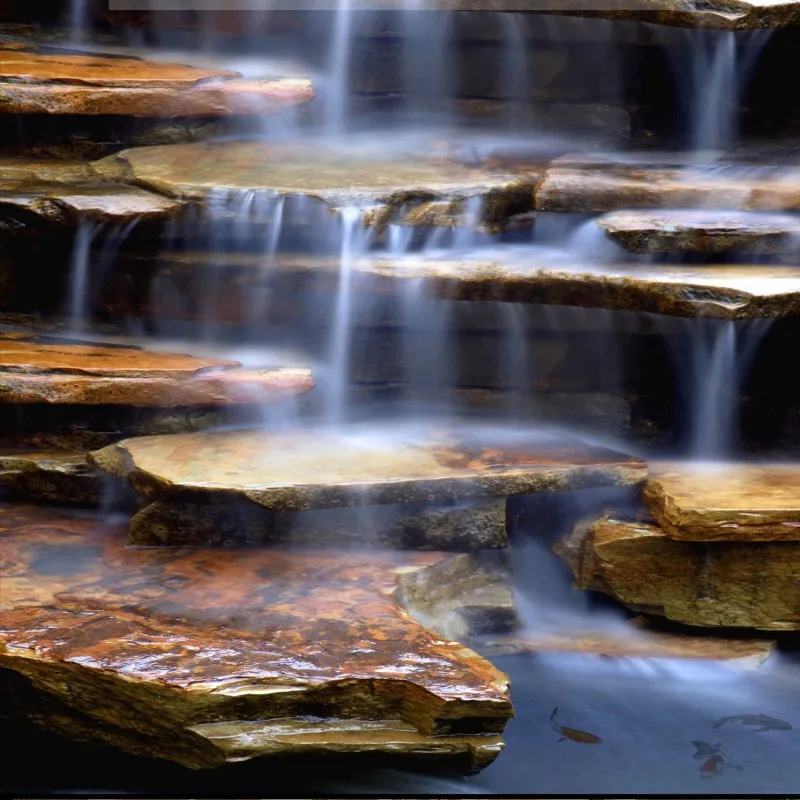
{"x": 726, "y": 502}
{"x": 521, "y": 275}
{"x": 693, "y": 231}
{"x": 397, "y": 186}
{"x": 204, "y": 657}
{"x": 599, "y": 183}
{"x": 441, "y": 489}
{"x": 42, "y": 370}
{"x": 717, "y": 584}
{"x": 50, "y": 476}
{"x": 52, "y": 81}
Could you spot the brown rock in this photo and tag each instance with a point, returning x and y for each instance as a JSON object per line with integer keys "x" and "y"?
{"x": 726, "y": 502}
{"x": 388, "y": 185}
{"x": 40, "y": 371}
{"x": 465, "y": 526}
{"x": 701, "y": 231}
{"x": 609, "y": 186}
{"x": 736, "y": 585}
{"x": 201, "y": 656}
{"x": 47, "y": 82}
{"x": 308, "y": 469}
{"x": 50, "y": 476}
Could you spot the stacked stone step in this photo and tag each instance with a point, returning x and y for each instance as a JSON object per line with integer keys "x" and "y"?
{"x": 717, "y": 547}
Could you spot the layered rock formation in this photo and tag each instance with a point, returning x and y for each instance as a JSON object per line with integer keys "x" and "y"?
{"x": 204, "y": 657}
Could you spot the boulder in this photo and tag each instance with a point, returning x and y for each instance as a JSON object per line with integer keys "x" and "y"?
{"x": 206, "y": 657}
{"x": 55, "y": 476}
{"x": 695, "y": 231}
{"x": 726, "y": 502}
{"x": 47, "y": 80}
{"x": 719, "y": 584}
{"x": 42, "y": 370}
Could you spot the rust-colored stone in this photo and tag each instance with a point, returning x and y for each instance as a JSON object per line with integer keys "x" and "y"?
{"x": 323, "y": 469}
{"x": 145, "y": 649}
{"x": 38, "y": 370}
{"x": 720, "y": 584}
{"x": 47, "y": 82}
{"x": 726, "y": 502}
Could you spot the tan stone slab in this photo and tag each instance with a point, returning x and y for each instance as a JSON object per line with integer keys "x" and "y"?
{"x": 689, "y": 230}
{"x": 42, "y": 371}
{"x": 738, "y": 291}
{"x": 395, "y": 185}
{"x": 142, "y": 649}
{"x": 609, "y": 186}
{"x": 49, "y": 81}
{"x": 726, "y": 502}
{"x": 310, "y": 468}
{"x": 731, "y": 584}
{"x": 747, "y": 653}
{"x": 52, "y": 476}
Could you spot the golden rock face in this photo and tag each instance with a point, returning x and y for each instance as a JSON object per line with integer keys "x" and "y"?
{"x": 34, "y": 370}
{"x": 729, "y": 584}
{"x": 318, "y": 469}
{"x": 47, "y": 82}
{"x": 144, "y": 649}
{"x": 726, "y": 502}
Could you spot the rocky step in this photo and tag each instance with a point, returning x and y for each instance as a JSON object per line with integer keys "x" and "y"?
{"x": 597, "y": 183}
{"x": 56, "y": 81}
{"x": 400, "y": 184}
{"x": 699, "y": 231}
{"x": 726, "y": 502}
{"x": 51, "y": 476}
{"x": 223, "y": 286}
{"x": 446, "y": 484}
{"x": 205, "y": 658}
{"x": 640, "y": 639}
{"x": 740, "y": 584}
{"x": 37, "y": 369}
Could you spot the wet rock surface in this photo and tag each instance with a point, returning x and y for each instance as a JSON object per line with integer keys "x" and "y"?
{"x": 726, "y": 502}
{"x": 55, "y": 476}
{"x": 732, "y": 291}
{"x": 728, "y": 584}
{"x": 398, "y": 186}
{"x": 42, "y": 370}
{"x": 202, "y": 656}
{"x": 52, "y": 81}
{"x": 702, "y": 231}
{"x": 306, "y": 469}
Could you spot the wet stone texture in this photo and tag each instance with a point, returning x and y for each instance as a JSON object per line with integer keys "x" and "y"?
{"x": 55, "y": 476}
{"x": 702, "y": 231}
{"x": 720, "y": 584}
{"x": 311, "y": 469}
{"x": 44, "y": 370}
{"x": 726, "y": 502}
{"x": 400, "y": 187}
{"x": 204, "y": 656}
{"x": 52, "y": 81}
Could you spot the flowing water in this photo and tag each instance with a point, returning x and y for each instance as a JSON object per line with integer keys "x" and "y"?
{"x": 647, "y": 711}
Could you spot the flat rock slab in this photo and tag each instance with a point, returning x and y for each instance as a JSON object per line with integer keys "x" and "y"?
{"x": 310, "y": 468}
{"x": 51, "y": 476}
{"x": 648, "y": 644}
{"x": 576, "y": 184}
{"x": 726, "y": 502}
{"x": 695, "y": 231}
{"x": 43, "y": 370}
{"x": 205, "y": 656}
{"x": 390, "y": 186}
{"x": 55, "y": 81}
{"x": 722, "y": 584}
{"x": 511, "y": 275}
